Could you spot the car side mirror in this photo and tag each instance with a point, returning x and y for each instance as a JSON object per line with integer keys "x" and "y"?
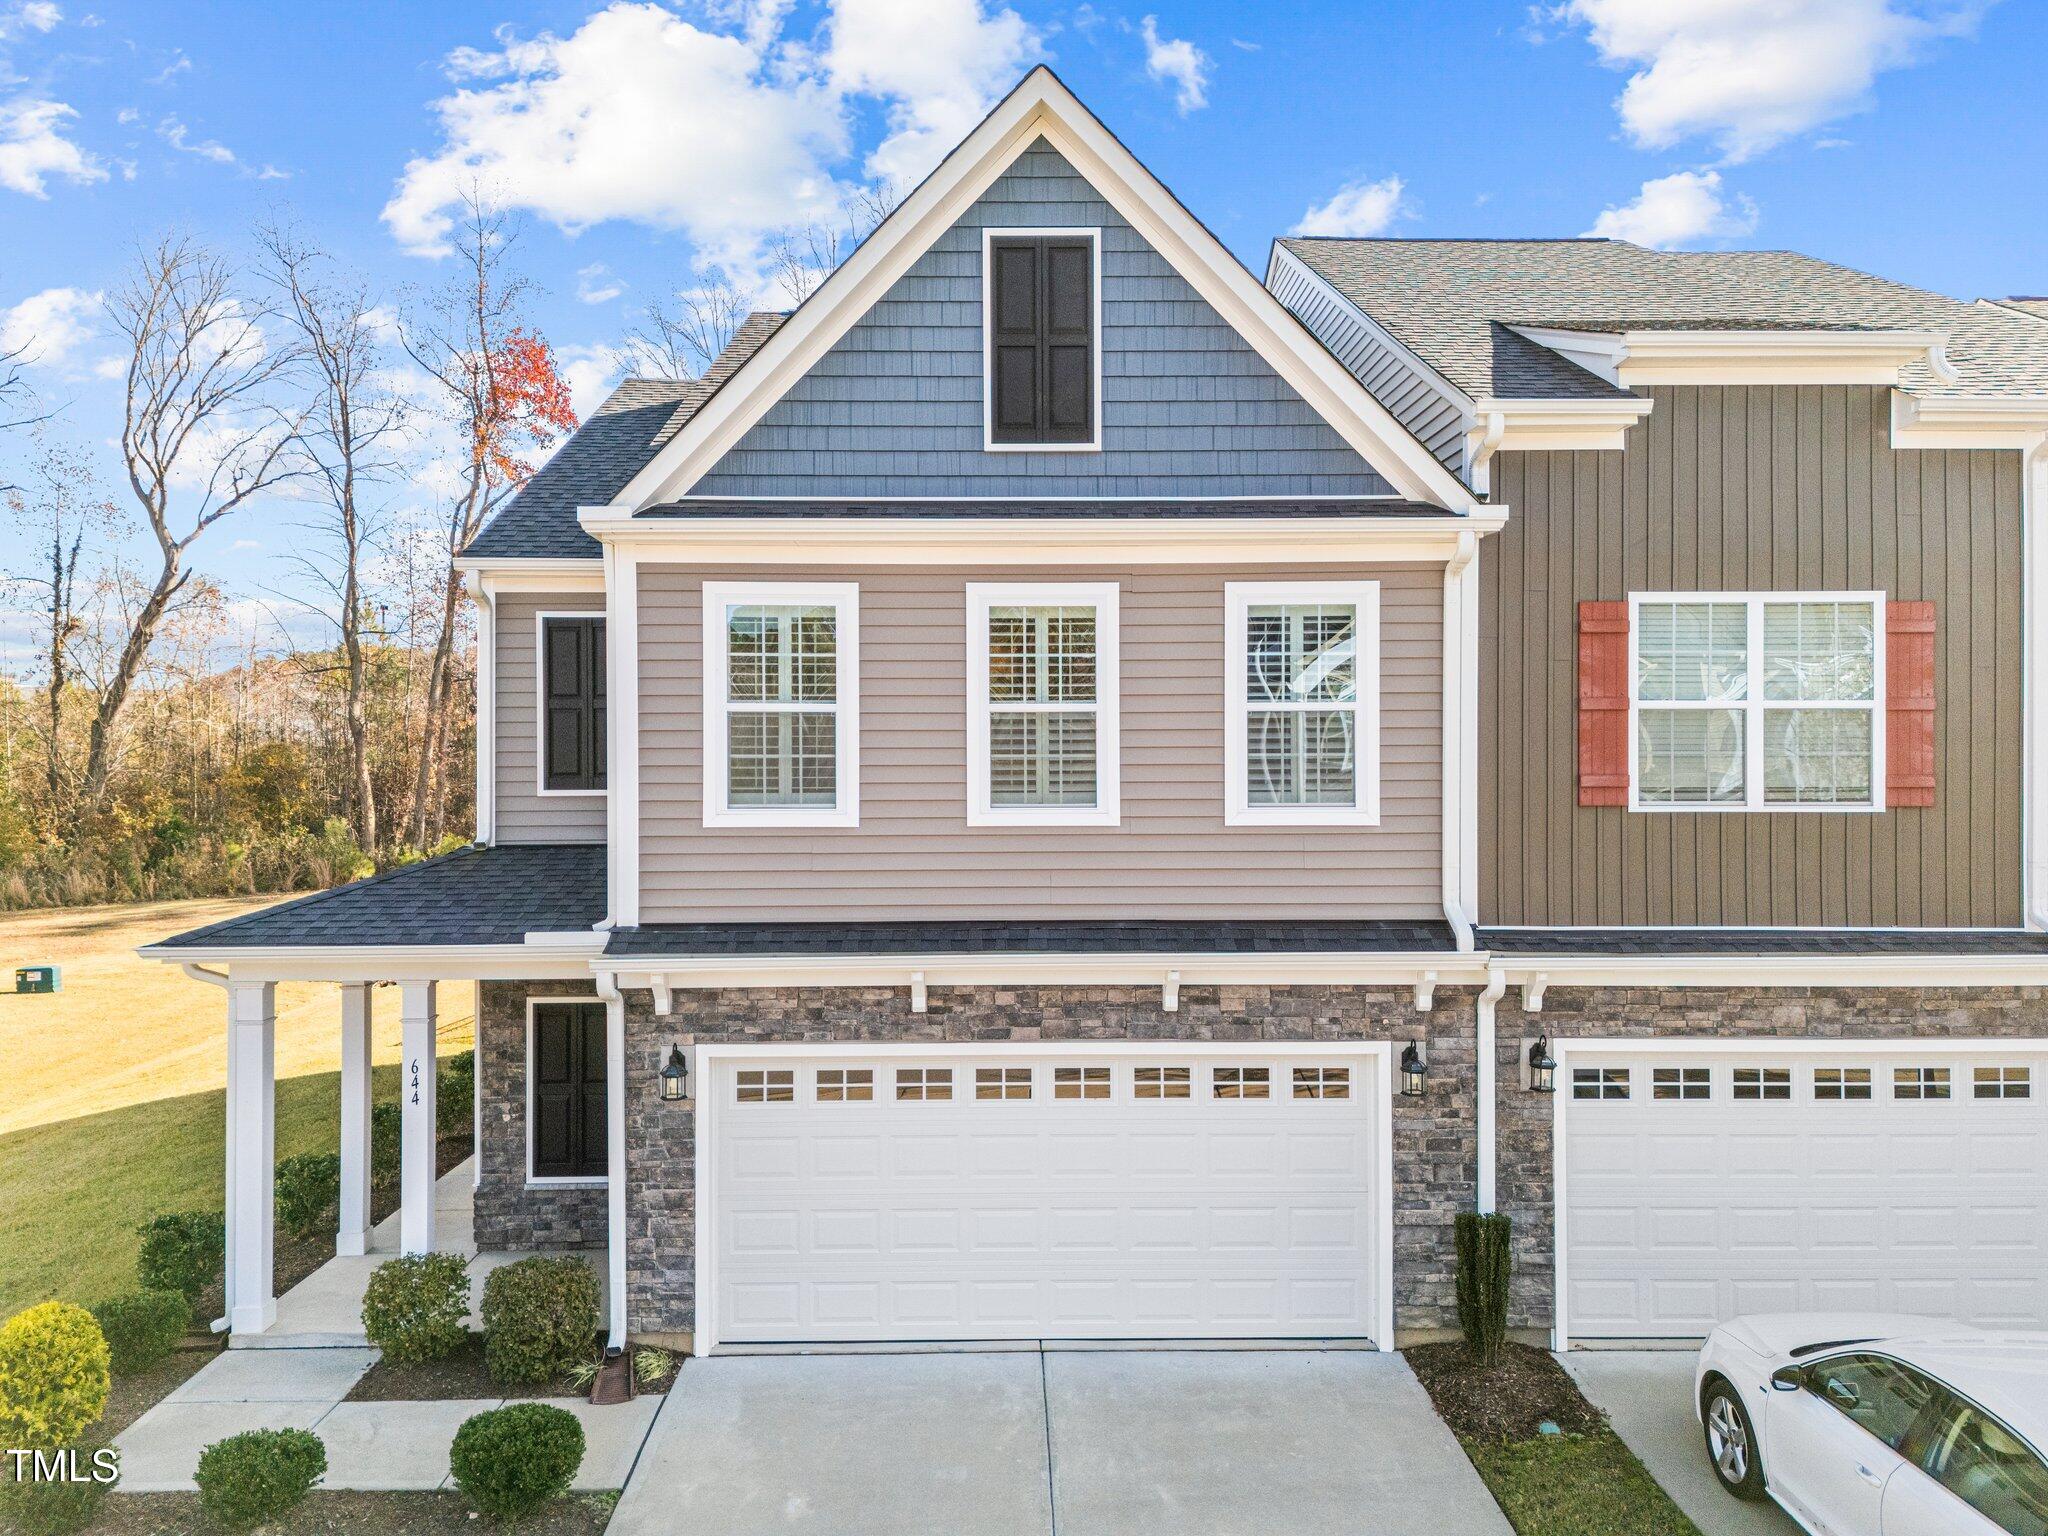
{"x": 1788, "y": 1378}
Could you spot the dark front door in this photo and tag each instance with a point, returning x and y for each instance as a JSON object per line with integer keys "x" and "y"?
{"x": 567, "y": 1063}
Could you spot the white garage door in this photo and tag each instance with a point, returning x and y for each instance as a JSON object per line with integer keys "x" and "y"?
{"x": 1700, "y": 1187}
{"x": 1002, "y": 1196}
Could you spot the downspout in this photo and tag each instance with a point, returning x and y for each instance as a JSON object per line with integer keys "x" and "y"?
{"x": 1483, "y": 1182}
{"x": 227, "y": 1274}
{"x": 1458, "y": 678}
{"x": 1480, "y": 445}
{"x": 615, "y": 1156}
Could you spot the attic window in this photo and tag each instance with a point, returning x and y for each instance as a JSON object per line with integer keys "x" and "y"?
{"x": 1043, "y": 323}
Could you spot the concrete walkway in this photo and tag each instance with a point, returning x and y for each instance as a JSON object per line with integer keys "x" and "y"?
{"x": 1088, "y": 1443}
{"x": 1647, "y": 1396}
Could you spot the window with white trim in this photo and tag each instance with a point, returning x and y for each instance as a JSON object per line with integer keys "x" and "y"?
{"x": 781, "y": 705}
{"x": 1080, "y": 1082}
{"x": 1042, "y": 717}
{"x": 1241, "y": 1082}
{"x": 1322, "y": 1082}
{"x": 765, "y": 1085}
{"x": 1160, "y": 1082}
{"x": 924, "y": 1084}
{"x": 1758, "y": 701}
{"x": 1600, "y": 1082}
{"x": 1681, "y": 1083}
{"x": 1763, "y": 1083}
{"x": 845, "y": 1085}
{"x": 1920, "y": 1082}
{"x": 1841, "y": 1083}
{"x": 1002, "y": 1082}
{"x": 1302, "y": 685}
{"x": 2003, "y": 1082}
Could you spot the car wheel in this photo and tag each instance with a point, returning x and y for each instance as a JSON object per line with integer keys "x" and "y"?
{"x": 1731, "y": 1443}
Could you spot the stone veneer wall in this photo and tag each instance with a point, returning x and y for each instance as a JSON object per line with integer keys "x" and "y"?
{"x": 509, "y": 1214}
{"x": 1526, "y": 1187}
{"x": 1434, "y": 1137}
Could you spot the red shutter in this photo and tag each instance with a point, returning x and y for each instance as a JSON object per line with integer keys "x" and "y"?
{"x": 1603, "y": 703}
{"x": 1909, "y": 703}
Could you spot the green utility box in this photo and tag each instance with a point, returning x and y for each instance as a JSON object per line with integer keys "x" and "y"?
{"x": 37, "y": 978}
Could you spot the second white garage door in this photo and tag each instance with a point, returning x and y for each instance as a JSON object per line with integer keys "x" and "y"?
{"x": 1700, "y": 1185}
{"x": 888, "y": 1196}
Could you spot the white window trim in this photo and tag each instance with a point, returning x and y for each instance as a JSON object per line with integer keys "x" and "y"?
{"x": 844, "y": 599}
{"x": 989, "y": 235}
{"x": 554, "y": 1181}
{"x": 1752, "y": 705}
{"x": 540, "y": 702}
{"x": 1240, "y": 597}
{"x": 1107, "y": 811}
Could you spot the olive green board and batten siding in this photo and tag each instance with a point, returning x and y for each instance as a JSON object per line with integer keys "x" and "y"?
{"x": 914, "y": 857}
{"x": 1735, "y": 489}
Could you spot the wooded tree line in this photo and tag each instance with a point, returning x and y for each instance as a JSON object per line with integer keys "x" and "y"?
{"x": 369, "y": 440}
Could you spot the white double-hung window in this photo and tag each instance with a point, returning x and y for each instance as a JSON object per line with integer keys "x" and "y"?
{"x": 1302, "y": 703}
{"x": 1758, "y": 701}
{"x": 781, "y": 705}
{"x": 1042, "y": 718}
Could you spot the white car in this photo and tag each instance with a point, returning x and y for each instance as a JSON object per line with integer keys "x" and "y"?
{"x": 1863, "y": 1424}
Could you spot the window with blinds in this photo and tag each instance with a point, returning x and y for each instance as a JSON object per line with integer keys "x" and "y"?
{"x": 1043, "y": 701}
{"x": 780, "y": 707}
{"x": 1304, "y": 702}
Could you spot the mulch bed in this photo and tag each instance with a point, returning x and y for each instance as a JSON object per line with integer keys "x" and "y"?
{"x": 363, "y": 1514}
{"x": 1508, "y": 1402}
{"x": 133, "y": 1396}
{"x": 457, "y": 1376}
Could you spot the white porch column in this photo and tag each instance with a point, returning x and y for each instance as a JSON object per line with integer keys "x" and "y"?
{"x": 615, "y": 1160}
{"x": 352, "y": 1235}
{"x": 416, "y": 1084}
{"x": 252, "y": 1154}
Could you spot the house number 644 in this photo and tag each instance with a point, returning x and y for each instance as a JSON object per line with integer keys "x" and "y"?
{"x": 415, "y": 1070}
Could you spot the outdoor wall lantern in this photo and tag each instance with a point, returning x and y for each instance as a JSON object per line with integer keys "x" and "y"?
{"x": 1542, "y": 1067}
{"x": 675, "y": 1077}
{"x": 1413, "y": 1070}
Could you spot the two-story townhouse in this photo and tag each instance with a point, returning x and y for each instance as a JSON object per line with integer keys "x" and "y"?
{"x": 994, "y": 810}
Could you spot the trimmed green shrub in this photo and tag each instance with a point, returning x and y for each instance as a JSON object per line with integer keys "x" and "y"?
{"x": 387, "y": 1131}
{"x": 413, "y": 1307}
{"x": 142, "y": 1327}
{"x": 540, "y": 1318}
{"x": 183, "y": 1251}
{"x": 53, "y": 1508}
{"x": 455, "y": 1095}
{"x": 54, "y": 1376}
{"x": 1484, "y": 1266}
{"x": 258, "y": 1476}
{"x": 308, "y": 1188}
{"x": 510, "y": 1461}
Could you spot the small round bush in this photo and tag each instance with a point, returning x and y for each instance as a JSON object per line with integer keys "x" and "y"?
{"x": 53, "y": 1376}
{"x": 142, "y": 1327}
{"x": 308, "y": 1187}
{"x": 455, "y": 1095}
{"x": 50, "y": 1508}
{"x": 413, "y": 1308}
{"x": 183, "y": 1251}
{"x": 510, "y": 1461}
{"x": 540, "y": 1318}
{"x": 259, "y": 1476}
{"x": 387, "y": 1137}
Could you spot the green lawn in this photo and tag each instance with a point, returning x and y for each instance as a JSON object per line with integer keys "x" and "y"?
{"x": 1575, "y": 1485}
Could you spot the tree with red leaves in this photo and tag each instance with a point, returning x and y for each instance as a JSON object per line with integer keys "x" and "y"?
{"x": 497, "y": 387}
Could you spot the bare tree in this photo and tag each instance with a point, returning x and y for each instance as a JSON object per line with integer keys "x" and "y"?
{"x": 801, "y": 259}
{"x": 17, "y": 397}
{"x": 681, "y": 336}
{"x": 200, "y": 436}
{"x": 496, "y": 386}
{"x": 344, "y": 448}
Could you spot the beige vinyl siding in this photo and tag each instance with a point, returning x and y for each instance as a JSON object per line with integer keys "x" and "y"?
{"x": 1732, "y": 489}
{"x": 524, "y": 814}
{"x": 914, "y": 856}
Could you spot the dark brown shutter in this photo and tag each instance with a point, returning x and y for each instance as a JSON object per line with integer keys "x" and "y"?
{"x": 1909, "y": 703}
{"x": 568, "y": 1122}
{"x": 1042, "y": 340}
{"x": 573, "y": 723}
{"x": 1603, "y": 703}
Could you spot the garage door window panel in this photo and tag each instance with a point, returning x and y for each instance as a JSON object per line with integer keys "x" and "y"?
{"x": 1080, "y": 1082}
{"x": 1686, "y": 1083}
{"x": 1841, "y": 1084}
{"x": 766, "y": 1086}
{"x": 1600, "y": 1082}
{"x": 845, "y": 1085}
{"x": 1002, "y": 1082}
{"x": 1241, "y": 1083}
{"x": 1763, "y": 1084}
{"x": 1920, "y": 1082}
{"x": 924, "y": 1084}
{"x": 1758, "y": 701}
{"x": 2003, "y": 1082}
{"x": 1322, "y": 1082}
{"x": 1161, "y": 1083}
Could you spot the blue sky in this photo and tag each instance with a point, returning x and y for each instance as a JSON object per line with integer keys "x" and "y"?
{"x": 1901, "y": 136}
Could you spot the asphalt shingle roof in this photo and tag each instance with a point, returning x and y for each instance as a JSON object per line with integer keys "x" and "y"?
{"x": 1534, "y": 942}
{"x": 1452, "y": 302}
{"x": 609, "y": 449}
{"x": 754, "y": 940}
{"x": 474, "y": 896}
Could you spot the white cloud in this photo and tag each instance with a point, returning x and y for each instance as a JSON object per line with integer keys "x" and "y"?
{"x": 1748, "y": 74}
{"x": 29, "y": 16}
{"x": 1360, "y": 208}
{"x": 179, "y": 137}
{"x": 596, "y": 285}
{"x": 726, "y": 132}
{"x": 590, "y": 372}
{"x": 33, "y": 147}
{"x": 1178, "y": 61}
{"x": 1678, "y": 210}
{"x": 48, "y": 327}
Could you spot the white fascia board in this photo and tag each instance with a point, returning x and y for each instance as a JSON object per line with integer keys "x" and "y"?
{"x": 1634, "y": 358}
{"x": 1600, "y": 353}
{"x": 535, "y": 575}
{"x": 1549, "y": 426}
{"x": 1441, "y": 386}
{"x": 1831, "y": 970}
{"x": 1037, "y": 541}
{"x": 1041, "y": 106}
{"x": 995, "y": 970}
{"x": 388, "y": 962}
{"x": 1968, "y": 421}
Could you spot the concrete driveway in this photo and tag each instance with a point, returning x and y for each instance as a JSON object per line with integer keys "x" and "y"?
{"x": 1082, "y": 1443}
{"x": 1647, "y": 1396}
